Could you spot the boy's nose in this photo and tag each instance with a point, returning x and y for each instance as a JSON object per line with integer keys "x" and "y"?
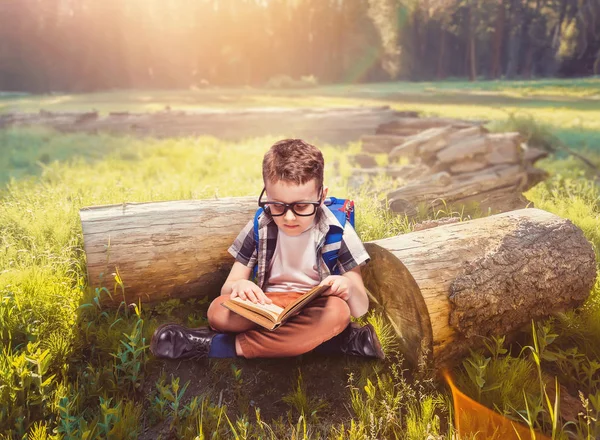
{"x": 289, "y": 215}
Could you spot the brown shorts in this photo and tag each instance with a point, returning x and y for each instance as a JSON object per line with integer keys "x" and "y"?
{"x": 318, "y": 322}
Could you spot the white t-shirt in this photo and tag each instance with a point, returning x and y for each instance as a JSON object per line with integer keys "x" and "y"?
{"x": 293, "y": 267}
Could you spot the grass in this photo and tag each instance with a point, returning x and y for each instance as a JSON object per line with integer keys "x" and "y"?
{"x": 72, "y": 369}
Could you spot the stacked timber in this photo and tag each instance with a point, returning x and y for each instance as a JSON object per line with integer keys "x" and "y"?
{"x": 454, "y": 163}
{"x": 394, "y": 133}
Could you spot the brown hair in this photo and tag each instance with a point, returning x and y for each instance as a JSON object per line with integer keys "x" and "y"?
{"x": 293, "y": 160}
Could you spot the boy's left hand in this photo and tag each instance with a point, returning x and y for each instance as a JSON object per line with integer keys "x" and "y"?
{"x": 340, "y": 286}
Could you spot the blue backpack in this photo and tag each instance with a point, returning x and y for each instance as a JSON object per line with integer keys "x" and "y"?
{"x": 343, "y": 209}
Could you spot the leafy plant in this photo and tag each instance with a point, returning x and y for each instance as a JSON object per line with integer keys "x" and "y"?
{"x": 131, "y": 358}
{"x": 299, "y": 400}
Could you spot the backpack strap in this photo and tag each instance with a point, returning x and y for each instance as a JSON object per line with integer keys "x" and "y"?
{"x": 259, "y": 211}
{"x": 343, "y": 210}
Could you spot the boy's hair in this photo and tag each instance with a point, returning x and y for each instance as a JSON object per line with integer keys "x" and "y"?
{"x": 293, "y": 160}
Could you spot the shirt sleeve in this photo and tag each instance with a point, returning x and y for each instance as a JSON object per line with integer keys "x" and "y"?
{"x": 352, "y": 251}
{"x": 243, "y": 248}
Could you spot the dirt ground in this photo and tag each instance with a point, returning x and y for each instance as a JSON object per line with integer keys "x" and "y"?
{"x": 264, "y": 383}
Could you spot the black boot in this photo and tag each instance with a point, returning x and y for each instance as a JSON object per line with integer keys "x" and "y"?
{"x": 175, "y": 341}
{"x": 355, "y": 341}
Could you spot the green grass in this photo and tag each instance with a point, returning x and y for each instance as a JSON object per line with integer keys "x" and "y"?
{"x": 71, "y": 368}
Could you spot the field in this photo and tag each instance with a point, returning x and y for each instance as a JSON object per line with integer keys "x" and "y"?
{"x": 72, "y": 369}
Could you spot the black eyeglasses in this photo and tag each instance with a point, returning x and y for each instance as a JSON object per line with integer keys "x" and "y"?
{"x": 302, "y": 209}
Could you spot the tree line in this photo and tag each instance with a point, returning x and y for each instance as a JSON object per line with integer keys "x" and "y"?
{"x": 87, "y": 45}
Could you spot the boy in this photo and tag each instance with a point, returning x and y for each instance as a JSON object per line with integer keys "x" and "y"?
{"x": 291, "y": 235}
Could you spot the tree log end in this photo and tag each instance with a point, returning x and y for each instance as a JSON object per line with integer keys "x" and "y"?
{"x": 396, "y": 293}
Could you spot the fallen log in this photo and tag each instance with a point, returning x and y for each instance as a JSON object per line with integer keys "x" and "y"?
{"x": 162, "y": 250}
{"x": 443, "y": 188}
{"x": 424, "y": 144}
{"x": 447, "y": 288}
{"x": 334, "y": 125}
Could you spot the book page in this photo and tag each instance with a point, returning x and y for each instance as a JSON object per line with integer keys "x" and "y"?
{"x": 251, "y": 315}
{"x": 303, "y": 300}
{"x": 270, "y": 310}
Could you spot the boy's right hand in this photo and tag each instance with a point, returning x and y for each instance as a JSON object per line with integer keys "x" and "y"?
{"x": 246, "y": 289}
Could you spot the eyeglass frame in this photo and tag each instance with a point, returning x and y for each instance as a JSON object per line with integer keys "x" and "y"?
{"x": 287, "y": 206}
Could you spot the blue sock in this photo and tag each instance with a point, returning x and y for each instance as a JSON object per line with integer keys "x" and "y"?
{"x": 222, "y": 346}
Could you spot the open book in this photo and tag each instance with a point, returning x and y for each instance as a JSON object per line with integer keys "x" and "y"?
{"x": 271, "y": 316}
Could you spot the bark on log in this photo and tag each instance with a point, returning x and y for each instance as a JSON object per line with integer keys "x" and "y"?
{"x": 465, "y": 133}
{"x": 444, "y": 289}
{"x": 424, "y": 144}
{"x": 163, "y": 249}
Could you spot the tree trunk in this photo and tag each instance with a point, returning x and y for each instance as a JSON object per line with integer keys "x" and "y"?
{"x": 495, "y": 70}
{"x": 514, "y": 43}
{"x": 527, "y": 39}
{"x": 162, "y": 250}
{"x": 473, "y": 59}
{"x": 445, "y": 289}
{"x": 471, "y": 53}
{"x": 441, "y": 67}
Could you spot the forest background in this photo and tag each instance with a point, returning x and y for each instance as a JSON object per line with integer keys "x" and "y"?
{"x": 90, "y": 45}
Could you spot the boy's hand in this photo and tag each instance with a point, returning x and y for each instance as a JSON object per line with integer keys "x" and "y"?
{"x": 340, "y": 286}
{"x": 246, "y": 289}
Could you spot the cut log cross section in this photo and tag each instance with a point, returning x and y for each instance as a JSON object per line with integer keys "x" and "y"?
{"x": 444, "y": 289}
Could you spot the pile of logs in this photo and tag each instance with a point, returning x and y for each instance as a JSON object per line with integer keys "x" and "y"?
{"x": 452, "y": 163}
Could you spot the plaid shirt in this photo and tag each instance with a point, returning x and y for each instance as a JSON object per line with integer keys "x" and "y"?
{"x": 352, "y": 252}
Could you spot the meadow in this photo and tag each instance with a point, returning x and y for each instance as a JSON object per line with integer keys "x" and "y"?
{"x": 71, "y": 369}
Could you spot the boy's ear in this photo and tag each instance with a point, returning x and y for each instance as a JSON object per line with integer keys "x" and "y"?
{"x": 325, "y": 190}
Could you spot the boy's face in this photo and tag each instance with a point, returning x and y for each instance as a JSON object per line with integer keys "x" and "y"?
{"x": 287, "y": 192}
